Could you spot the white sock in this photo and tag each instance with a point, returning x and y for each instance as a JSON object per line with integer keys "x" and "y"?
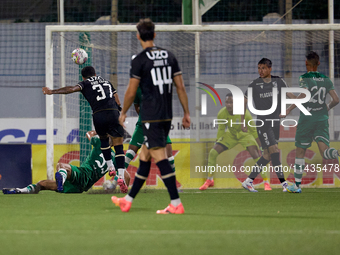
{"x": 211, "y": 178}
{"x": 176, "y": 202}
{"x": 30, "y": 189}
{"x": 121, "y": 173}
{"x": 24, "y": 190}
{"x": 109, "y": 163}
{"x": 128, "y": 198}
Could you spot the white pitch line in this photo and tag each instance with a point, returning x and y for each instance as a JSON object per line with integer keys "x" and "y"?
{"x": 174, "y": 232}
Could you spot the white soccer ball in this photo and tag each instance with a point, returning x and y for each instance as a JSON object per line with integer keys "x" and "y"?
{"x": 79, "y": 56}
{"x": 108, "y": 185}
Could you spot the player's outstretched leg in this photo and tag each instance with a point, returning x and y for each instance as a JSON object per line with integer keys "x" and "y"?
{"x": 60, "y": 178}
{"x": 169, "y": 179}
{"x": 30, "y": 189}
{"x": 140, "y": 177}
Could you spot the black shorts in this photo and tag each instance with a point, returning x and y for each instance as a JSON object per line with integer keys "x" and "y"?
{"x": 156, "y": 133}
{"x": 269, "y": 134}
{"x": 106, "y": 122}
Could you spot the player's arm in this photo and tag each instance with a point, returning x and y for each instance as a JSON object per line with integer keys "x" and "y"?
{"x": 290, "y": 95}
{"x": 183, "y": 98}
{"x": 129, "y": 97}
{"x": 63, "y": 90}
{"x": 334, "y": 101}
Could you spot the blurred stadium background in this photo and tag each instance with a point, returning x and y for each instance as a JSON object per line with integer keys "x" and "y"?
{"x": 225, "y": 57}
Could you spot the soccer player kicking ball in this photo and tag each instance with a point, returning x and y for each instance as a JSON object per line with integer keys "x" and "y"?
{"x": 313, "y": 127}
{"x": 74, "y": 179}
{"x": 233, "y": 136}
{"x": 154, "y": 70}
{"x": 269, "y": 131}
{"x": 104, "y": 101}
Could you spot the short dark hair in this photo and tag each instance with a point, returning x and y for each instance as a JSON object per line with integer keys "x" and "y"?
{"x": 146, "y": 29}
{"x": 313, "y": 58}
{"x": 265, "y": 61}
{"x": 229, "y": 95}
{"x": 88, "y": 71}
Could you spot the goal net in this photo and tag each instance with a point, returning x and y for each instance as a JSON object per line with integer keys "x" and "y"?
{"x": 207, "y": 55}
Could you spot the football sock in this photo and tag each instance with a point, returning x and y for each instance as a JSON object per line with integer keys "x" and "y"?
{"x": 128, "y": 198}
{"x": 140, "y": 177}
{"x": 63, "y": 173}
{"x": 120, "y": 157}
{"x": 175, "y": 202}
{"x": 109, "y": 163}
{"x": 130, "y": 154}
{"x": 277, "y": 166}
{"x": 212, "y": 161}
{"x": 169, "y": 178}
{"x": 106, "y": 149}
{"x": 30, "y": 189}
{"x": 172, "y": 163}
{"x": 330, "y": 153}
{"x": 298, "y": 171}
{"x": 257, "y": 168}
{"x": 121, "y": 173}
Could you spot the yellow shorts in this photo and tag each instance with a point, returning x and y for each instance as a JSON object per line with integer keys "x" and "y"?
{"x": 230, "y": 141}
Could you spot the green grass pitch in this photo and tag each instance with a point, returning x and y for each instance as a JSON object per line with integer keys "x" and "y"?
{"x": 217, "y": 221}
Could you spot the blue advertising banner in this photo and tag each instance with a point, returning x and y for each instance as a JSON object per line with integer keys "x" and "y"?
{"x": 15, "y": 167}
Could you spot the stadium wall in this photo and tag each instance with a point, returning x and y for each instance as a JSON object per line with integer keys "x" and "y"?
{"x": 22, "y": 68}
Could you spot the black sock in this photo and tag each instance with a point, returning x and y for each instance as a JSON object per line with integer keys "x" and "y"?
{"x": 140, "y": 177}
{"x": 277, "y": 166}
{"x": 120, "y": 157}
{"x": 169, "y": 178}
{"x": 106, "y": 149}
{"x": 257, "y": 168}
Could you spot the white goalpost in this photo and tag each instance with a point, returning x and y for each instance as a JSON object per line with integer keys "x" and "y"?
{"x": 221, "y": 54}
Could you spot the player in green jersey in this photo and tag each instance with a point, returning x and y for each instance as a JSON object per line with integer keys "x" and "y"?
{"x": 315, "y": 126}
{"x": 137, "y": 139}
{"x": 75, "y": 179}
{"x": 234, "y": 135}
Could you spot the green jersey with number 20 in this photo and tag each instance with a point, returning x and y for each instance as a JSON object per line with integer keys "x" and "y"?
{"x": 319, "y": 86}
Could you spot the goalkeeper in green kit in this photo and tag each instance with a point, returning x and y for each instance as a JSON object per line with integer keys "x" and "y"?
{"x": 315, "y": 126}
{"x": 73, "y": 179}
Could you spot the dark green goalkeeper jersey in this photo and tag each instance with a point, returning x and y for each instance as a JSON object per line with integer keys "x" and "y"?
{"x": 94, "y": 167}
{"x": 318, "y": 85}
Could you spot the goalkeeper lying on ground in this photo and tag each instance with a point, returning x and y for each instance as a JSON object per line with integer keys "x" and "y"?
{"x": 73, "y": 179}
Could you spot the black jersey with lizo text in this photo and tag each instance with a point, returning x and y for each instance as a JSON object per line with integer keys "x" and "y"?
{"x": 99, "y": 93}
{"x": 263, "y": 95}
{"x": 155, "y": 68}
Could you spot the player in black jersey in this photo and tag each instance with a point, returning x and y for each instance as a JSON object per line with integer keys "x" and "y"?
{"x": 269, "y": 132}
{"x": 104, "y": 101}
{"x": 154, "y": 70}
